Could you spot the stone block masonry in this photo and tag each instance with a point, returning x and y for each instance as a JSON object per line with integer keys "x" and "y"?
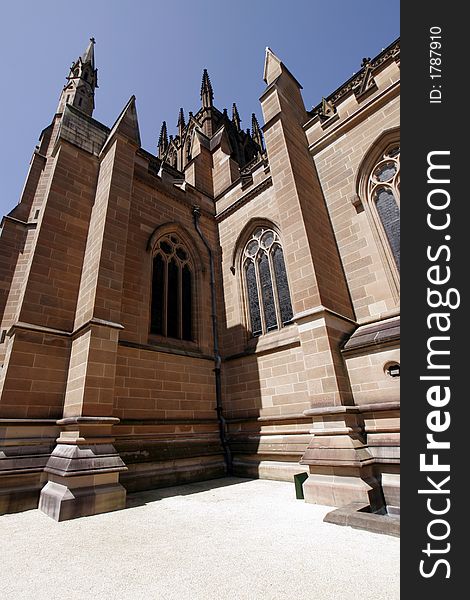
{"x": 107, "y": 334}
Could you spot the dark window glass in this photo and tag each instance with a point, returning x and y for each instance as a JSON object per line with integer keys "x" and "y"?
{"x": 283, "y": 295}
{"x": 158, "y": 288}
{"x": 173, "y": 299}
{"x": 389, "y": 214}
{"x": 252, "y": 248}
{"x": 172, "y": 283}
{"x": 187, "y": 304}
{"x": 181, "y": 254}
{"x": 385, "y": 172}
{"x": 165, "y": 246}
{"x": 267, "y": 239}
{"x": 253, "y": 300}
{"x": 267, "y": 293}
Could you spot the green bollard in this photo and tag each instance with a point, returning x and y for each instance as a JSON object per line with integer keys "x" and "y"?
{"x": 299, "y": 479}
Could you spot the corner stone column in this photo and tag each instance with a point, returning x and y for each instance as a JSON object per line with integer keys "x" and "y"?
{"x": 339, "y": 461}
{"x": 83, "y": 470}
{"x": 340, "y": 464}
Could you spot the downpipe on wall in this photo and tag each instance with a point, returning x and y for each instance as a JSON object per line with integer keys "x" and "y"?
{"x": 217, "y": 357}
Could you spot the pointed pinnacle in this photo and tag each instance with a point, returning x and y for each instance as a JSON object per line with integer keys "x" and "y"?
{"x": 181, "y": 122}
{"x": 236, "y": 117}
{"x": 256, "y": 132}
{"x": 207, "y": 94}
{"x": 163, "y": 139}
{"x": 89, "y": 54}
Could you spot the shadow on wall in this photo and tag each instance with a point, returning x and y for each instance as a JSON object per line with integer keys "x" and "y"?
{"x": 267, "y": 432}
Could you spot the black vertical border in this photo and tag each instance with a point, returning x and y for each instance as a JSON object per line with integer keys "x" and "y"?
{"x": 428, "y": 127}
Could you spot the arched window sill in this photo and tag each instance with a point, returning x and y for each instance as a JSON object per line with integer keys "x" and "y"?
{"x": 152, "y": 347}
{"x": 172, "y": 343}
{"x": 274, "y": 339}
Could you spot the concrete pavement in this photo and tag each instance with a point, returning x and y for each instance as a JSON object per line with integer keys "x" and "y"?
{"x": 230, "y": 539}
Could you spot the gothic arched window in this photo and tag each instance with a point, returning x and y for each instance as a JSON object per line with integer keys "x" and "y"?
{"x": 188, "y": 148}
{"x": 265, "y": 278}
{"x": 172, "y": 290}
{"x": 384, "y": 197}
{"x": 173, "y": 159}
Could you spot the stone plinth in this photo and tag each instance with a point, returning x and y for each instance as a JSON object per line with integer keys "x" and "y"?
{"x": 340, "y": 463}
{"x": 25, "y": 448}
{"x": 83, "y": 470}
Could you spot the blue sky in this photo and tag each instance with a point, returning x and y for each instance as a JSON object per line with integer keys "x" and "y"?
{"x": 157, "y": 51}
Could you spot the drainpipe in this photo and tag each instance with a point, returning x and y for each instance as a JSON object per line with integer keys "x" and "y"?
{"x": 217, "y": 357}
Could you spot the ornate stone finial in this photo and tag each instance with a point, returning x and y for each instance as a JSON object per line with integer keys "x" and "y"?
{"x": 326, "y": 110}
{"x": 225, "y": 113}
{"x": 162, "y": 140}
{"x": 256, "y": 132}
{"x": 207, "y": 94}
{"x": 89, "y": 55}
{"x": 181, "y": 124}
{"x": 236, "y": 117}
{"x": 366, "y": 81}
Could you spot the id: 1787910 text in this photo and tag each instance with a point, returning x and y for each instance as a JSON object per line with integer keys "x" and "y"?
{"x": 435, "y": 64}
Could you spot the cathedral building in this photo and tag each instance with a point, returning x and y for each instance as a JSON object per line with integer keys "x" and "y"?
{"x": 226, "y": 305}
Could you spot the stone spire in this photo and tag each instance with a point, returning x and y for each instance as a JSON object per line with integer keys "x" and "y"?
{"x": 236, "y": 117}
{"x": 162, "y": 140}
{"x": 256, "y": 132}
{"x": 181, "y": 124}
{"x": 89, "y": 55}
{"x": 207, "y": 94}
{"x": 82, "y": 80}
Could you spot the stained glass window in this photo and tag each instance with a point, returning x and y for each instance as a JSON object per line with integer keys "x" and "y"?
{"x": 253, "y": 298}
{"x": 285, "y": 306}
{"x": 267, "y": 292}
{"x": 389, "y": 214}
{"x": 267, "y": 288}
{"x": 384, "y": 192}
{"x": 172, "y": 305}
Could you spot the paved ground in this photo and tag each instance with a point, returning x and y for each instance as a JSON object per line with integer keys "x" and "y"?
{"x": 229, "y": 539}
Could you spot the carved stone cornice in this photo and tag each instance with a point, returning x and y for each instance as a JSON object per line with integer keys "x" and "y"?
{"x": 356, "y": 81}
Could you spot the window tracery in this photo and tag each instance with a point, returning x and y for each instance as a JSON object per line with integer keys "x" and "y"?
{"x": 266, "y": 285}
{"x": 172, "y": 293}
{"x": 384, "y": 197}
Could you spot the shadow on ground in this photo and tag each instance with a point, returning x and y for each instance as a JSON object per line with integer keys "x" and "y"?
{"x": 142, "y": 498}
